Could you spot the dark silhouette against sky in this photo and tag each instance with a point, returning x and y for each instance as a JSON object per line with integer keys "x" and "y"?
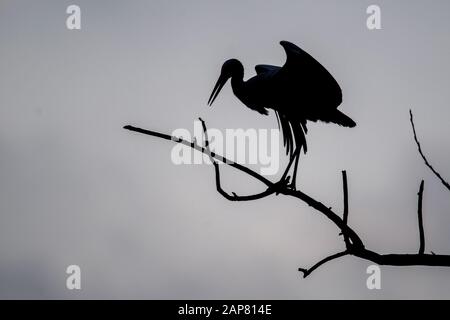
{"x": 302, "y": 82}
{"x": 77, "y": 189}
{"x": 302, "y": 89}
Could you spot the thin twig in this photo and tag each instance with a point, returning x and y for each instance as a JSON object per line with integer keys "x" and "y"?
{"x": 234, "y": 196}
{"x": 307, "y": 272}
{"x": 419, "y": 214}
{"x": 345, "y": 213}
{"x": 445, "y": 183}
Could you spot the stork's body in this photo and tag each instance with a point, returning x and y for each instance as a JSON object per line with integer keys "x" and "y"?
{"x": 302, "y": 89}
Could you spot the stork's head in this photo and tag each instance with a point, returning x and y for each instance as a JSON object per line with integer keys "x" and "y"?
{"x": 231, "y": 68}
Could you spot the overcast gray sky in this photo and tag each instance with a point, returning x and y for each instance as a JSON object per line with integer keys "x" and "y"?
{"x": 75, "y": 188}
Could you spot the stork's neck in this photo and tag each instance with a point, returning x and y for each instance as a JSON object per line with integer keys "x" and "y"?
{"x": 237, "y": 82}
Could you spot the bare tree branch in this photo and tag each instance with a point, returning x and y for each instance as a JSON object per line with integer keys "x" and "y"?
{"x": 279, "y": 186}
{"x": 405, "y": 259}
{"x": 445, "y": 183}
{"x": 354, "y": 245}
{"x": 419, "y": 214}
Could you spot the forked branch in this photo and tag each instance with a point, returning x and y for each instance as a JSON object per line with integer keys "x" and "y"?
{"x": 353, "y": 243}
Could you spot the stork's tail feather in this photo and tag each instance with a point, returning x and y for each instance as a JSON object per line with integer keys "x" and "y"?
{"x": 341, "y": 119}
{"x": 285, "y": 128}
{"x": 293, "y": 134}
{"x": 299, "y": 131}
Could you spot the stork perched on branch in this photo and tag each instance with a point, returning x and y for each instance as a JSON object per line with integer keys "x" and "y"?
{"x": 302, "y": 89}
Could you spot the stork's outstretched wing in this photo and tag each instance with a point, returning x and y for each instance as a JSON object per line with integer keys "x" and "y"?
{"x": 298, "y": 58}
{"x": 304, "y": 76}
{"x": 265, "y": 68}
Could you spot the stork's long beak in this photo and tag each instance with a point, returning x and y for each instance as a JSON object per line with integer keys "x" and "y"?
{"x": 219, "y": 85}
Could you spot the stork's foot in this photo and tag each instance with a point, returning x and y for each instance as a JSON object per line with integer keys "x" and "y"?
{"x": 285, "y": 182}
{"x": 292, "y": 186}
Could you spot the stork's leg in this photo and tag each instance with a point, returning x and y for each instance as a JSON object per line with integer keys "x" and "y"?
{"x": 294, "y": 157}
{"x": 294, "y": 176}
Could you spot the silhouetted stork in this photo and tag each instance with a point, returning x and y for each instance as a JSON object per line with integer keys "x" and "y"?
{"x": 302, "y": 89}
